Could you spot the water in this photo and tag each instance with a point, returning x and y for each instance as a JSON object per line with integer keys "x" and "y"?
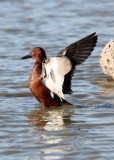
{"x": 84, "y": 131}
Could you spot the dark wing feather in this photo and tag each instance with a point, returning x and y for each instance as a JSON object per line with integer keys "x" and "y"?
{"x": 77, "y": 52}
{"x": 80, "y": 50}
{"x": 67, "y": 81}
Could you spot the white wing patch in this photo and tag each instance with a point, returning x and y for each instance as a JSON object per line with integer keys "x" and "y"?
{"x": 53, "y": 71}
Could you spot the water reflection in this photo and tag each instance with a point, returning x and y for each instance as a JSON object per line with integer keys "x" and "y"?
{"x": 51, "y": 119}
{"x": 50, "y": 125}
{"x": 50, "y": 129}
{"x": 107, "y": 89}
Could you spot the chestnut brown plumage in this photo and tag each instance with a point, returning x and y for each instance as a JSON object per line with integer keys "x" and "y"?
{"x": 51, "y": 77}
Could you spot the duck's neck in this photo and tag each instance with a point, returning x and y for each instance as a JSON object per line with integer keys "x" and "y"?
{"x": 36, "y": 73}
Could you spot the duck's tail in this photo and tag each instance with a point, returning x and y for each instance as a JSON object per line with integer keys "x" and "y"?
{"x": 65, "y": 103}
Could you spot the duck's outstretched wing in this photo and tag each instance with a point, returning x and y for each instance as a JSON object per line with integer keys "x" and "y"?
{"x": 77, "y": 52}
{"x": 80, "y": 50}
{"x": 53, "y": 71}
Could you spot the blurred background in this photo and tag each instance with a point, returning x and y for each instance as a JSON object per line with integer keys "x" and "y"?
{"x": 28, "y": 131}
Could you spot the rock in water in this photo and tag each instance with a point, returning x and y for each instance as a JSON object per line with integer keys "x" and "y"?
{"x": 107, "y": 59}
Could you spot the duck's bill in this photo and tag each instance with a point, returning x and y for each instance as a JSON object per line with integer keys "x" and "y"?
{"x": 27, "y": 56}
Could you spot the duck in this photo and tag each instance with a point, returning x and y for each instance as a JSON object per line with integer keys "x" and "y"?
{"x": 51, "y": 77}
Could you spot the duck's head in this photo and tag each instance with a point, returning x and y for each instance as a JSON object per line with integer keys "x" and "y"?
{"x": 37, "y": 53}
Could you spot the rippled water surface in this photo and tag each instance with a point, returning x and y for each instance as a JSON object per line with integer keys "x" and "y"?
{"x": 28, "y": 131}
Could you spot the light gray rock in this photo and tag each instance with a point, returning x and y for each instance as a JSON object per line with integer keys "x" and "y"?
{"x": 107, "y": 59}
